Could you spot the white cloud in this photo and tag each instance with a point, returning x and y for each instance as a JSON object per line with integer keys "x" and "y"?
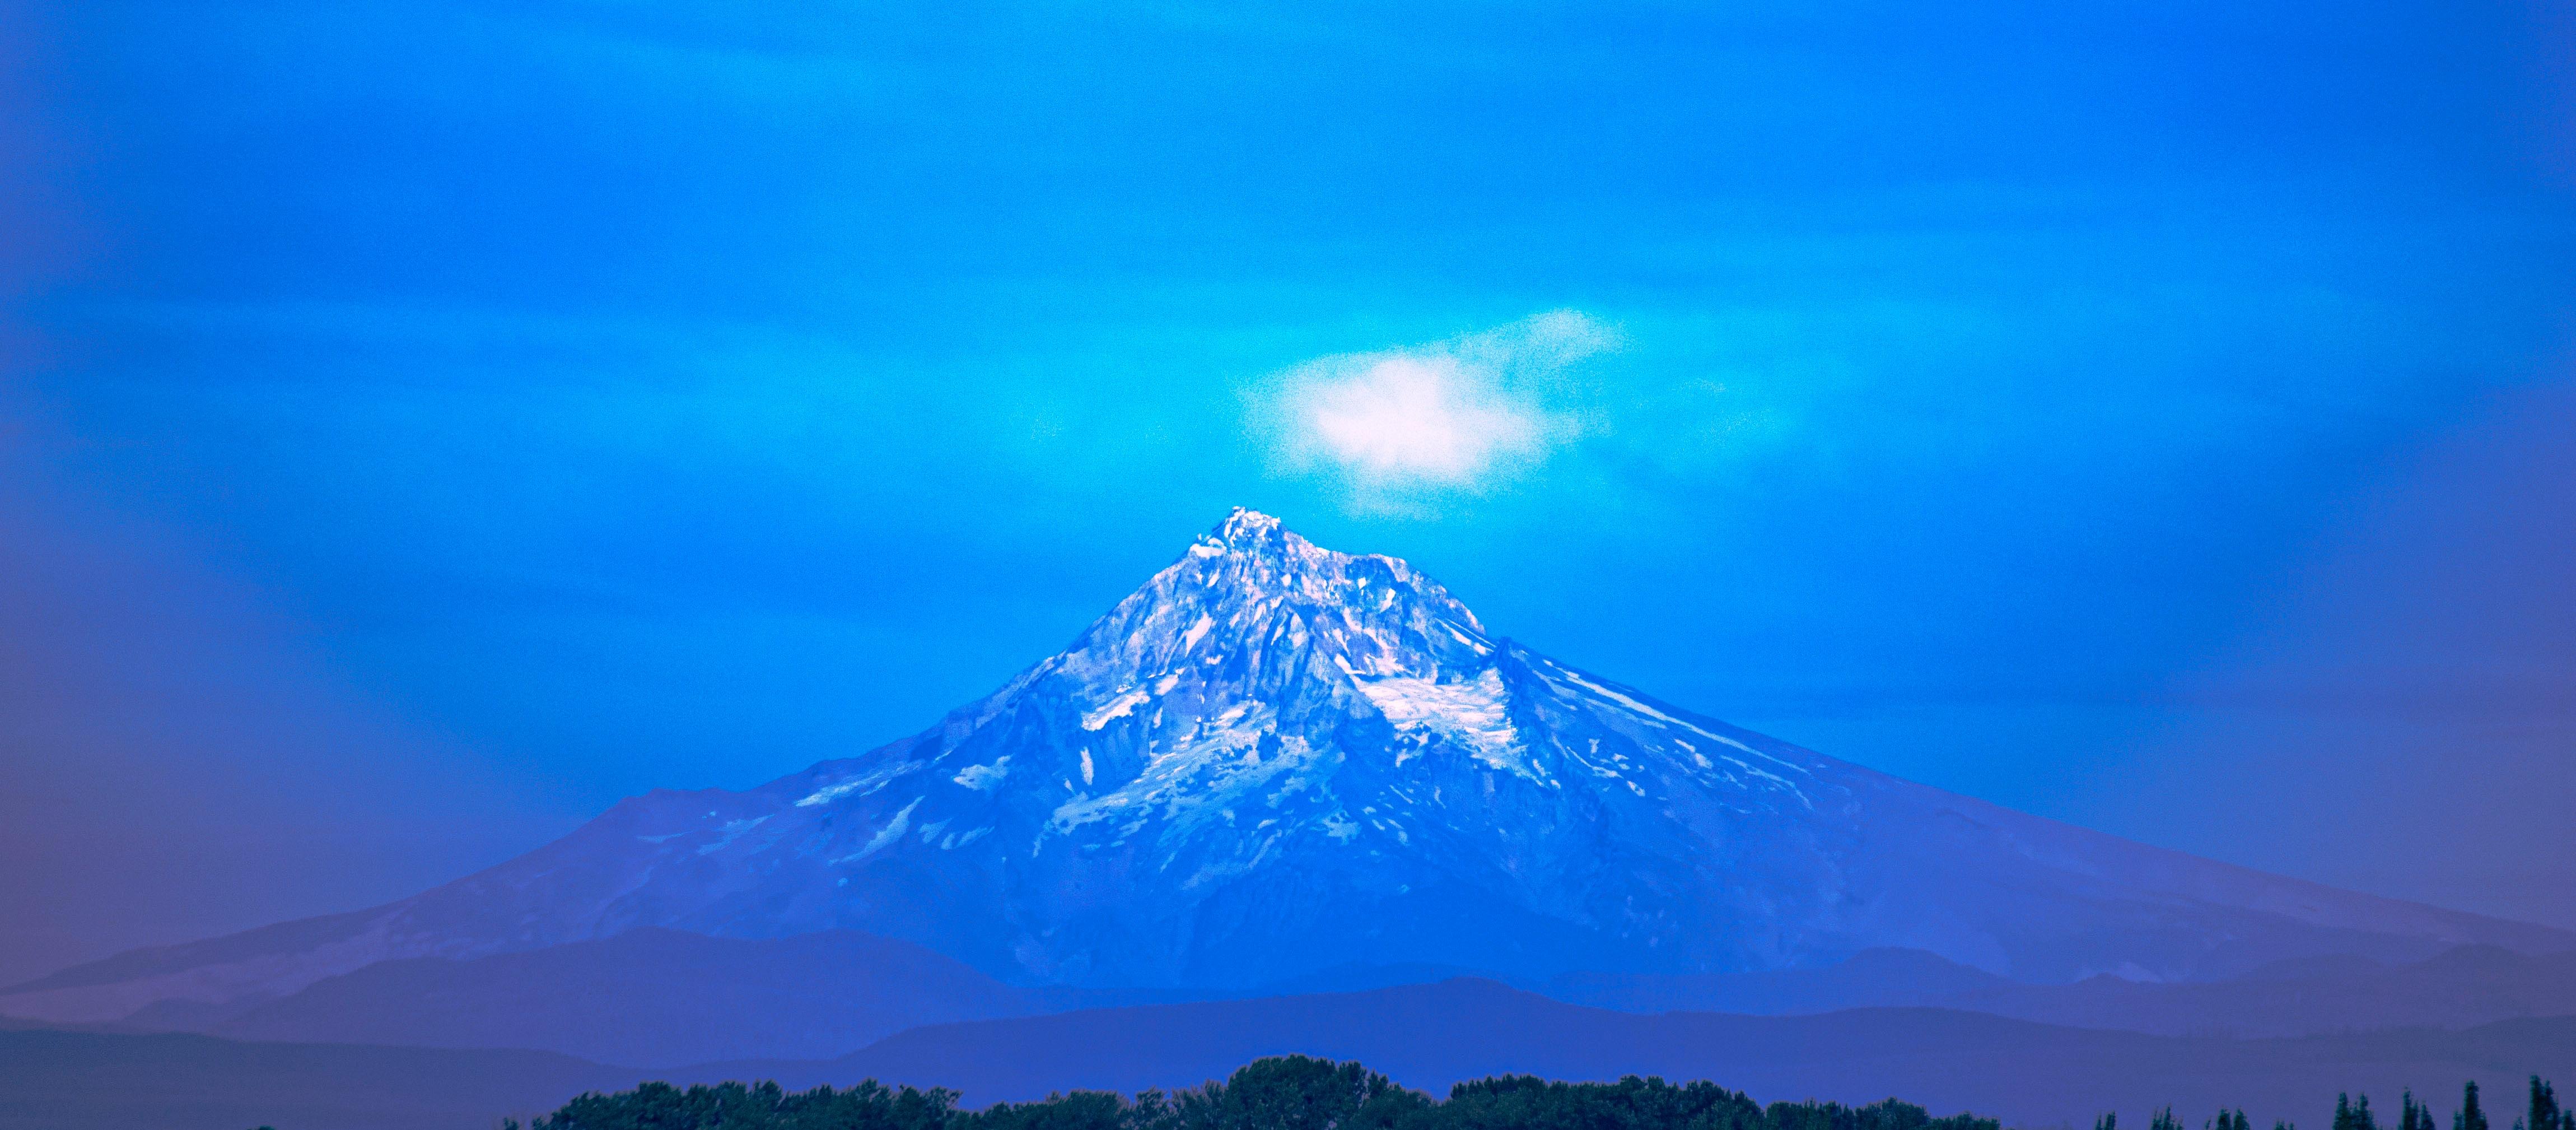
{"x": 1401, "y": 425}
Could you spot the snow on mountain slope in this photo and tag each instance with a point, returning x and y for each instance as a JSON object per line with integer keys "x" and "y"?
{"x": 1273, "y": 760}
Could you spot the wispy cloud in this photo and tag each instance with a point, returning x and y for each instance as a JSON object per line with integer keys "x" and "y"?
{"x": 1400, "y": 427}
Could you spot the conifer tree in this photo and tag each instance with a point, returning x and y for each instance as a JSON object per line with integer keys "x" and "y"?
{"x": 2544, "y": 1107}
{"x": 2469, "y": 1117}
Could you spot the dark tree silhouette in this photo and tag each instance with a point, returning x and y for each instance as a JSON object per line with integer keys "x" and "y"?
{"x": 2544, "y": 1113}
{"x": 1304, "y": 1093}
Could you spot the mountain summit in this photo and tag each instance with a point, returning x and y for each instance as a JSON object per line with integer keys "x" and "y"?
{"x": 1275, "y": 761}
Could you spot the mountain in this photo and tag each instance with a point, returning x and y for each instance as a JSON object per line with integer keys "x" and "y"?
{"x": 1274, "y": 761}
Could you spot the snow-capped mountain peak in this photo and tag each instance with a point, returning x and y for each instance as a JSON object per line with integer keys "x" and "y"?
{"x": 1274, "y": 759}
{"x": 1265, "y": 703}
{"x": 1211, "y": 683}
{"x": 1250, "y": 585}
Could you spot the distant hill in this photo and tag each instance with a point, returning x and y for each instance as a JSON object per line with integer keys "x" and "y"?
{"x": 661, "y": 998}
{"x": 2467, "y": 986}
{"x": 1425, "y": 1036}
{"x": 647, "y": 998}
{"x": 1870, "y": 978}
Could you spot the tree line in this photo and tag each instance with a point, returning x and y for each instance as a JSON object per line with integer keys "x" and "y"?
{"x": 1304, "y": 1093}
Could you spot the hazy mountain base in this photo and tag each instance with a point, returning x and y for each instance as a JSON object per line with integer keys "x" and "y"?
{"x": 659, "y": 998}
{"x": 2467, "y": 986}
{"x": 648, "y": 998}
{"x": 1428, "y": 1037}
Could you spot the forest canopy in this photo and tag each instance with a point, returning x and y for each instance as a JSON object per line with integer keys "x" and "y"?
{"x": 1304, "y": 1093}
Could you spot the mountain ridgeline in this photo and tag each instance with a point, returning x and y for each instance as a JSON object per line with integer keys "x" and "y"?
{"x": 1275, "y": 763}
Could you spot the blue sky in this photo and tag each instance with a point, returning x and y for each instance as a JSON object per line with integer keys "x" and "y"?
{"x": 427, "y": 423}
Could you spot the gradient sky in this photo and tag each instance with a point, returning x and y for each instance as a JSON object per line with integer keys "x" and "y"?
{"x": 422, "y": 424}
